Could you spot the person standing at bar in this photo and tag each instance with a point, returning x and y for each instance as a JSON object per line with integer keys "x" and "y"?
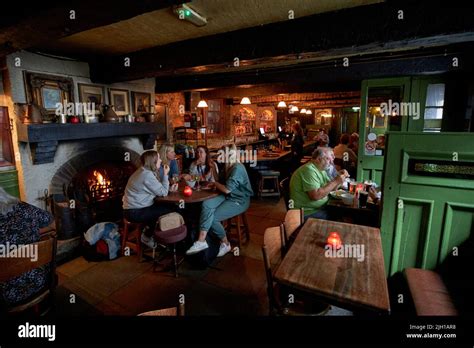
{"x": 297, "y": 146}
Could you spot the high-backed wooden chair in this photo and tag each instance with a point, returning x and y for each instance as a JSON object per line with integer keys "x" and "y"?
{"x": 273, "y": 251}
{"x": 166, "y": 312}
{"x": 14, "y": 267}
{"x": 294, "y": 218}
{"x": 236, "y": 227}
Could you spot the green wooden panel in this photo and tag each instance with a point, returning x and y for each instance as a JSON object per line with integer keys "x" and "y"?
{"x": 9, "y": 181}
{"x": 459, "y": 222}
{"x": 437, "y": 212}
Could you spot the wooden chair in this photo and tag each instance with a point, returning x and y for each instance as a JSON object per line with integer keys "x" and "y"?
{"x": 14, "y": 267}
{"x": 272, "y": 176}
{"x": 294, "y": 218}
{"x": 273, "y": 252}
{"x": 241, "y": 226}
{"x": 166, "y": 312}
{"x": 131, "y": 235}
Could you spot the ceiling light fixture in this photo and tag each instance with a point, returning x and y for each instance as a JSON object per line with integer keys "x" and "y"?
{"x": 202, "y": 104}
{"x": 303, "y": 111}
{"x": 245, "y": 101}
{"x": 308, "y": 112}
{"x": 184, "y": 12}
{"x": 281, "y": 104}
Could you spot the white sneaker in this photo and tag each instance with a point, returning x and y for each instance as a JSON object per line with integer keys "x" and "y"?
{"x": 197, "y": 247}
{"x": 148, "y": 241}
{"x": 223, "y": 249}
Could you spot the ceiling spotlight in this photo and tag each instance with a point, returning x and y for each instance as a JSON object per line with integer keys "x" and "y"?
{"x": 184, "y": 12}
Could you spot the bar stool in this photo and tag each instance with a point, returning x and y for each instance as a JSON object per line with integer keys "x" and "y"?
{"x": 131, "y": 236}
{"x": 169, "y": 239}
{"x": 235, "y": 223}
{"x": 272, "y": 176}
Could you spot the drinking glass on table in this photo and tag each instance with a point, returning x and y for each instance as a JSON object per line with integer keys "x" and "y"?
{"x": 363, "y": 196}
{"x": 197, "y": 178}
{"x": 352, "y": 186}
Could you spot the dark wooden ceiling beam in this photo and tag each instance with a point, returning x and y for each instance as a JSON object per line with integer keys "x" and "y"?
{"x": 52, "y": 20}
{"x": 350, "y": 31}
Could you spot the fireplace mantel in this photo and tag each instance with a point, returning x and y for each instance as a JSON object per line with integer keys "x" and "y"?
{"x": 44, "y": 138}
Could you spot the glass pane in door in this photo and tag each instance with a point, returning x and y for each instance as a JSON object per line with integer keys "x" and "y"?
{"x": 384, "y": 113}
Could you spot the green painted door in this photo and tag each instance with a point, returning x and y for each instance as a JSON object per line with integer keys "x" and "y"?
{"x": 428, "y": 204}
{"x": 374, "y": 123}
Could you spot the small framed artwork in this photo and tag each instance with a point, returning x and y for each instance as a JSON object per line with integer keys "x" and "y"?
{"x": 91, "y": 94}
{"x": 119, "y": 99}
{"x": 141, "y": 103}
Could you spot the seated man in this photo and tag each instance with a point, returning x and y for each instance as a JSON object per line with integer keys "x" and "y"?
{"x": 310, "y": 185}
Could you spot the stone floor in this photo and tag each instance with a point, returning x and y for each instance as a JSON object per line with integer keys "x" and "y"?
{"x": 234, "y": 285}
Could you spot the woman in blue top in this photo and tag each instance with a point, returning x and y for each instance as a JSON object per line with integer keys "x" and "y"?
{"x": 168, "y": 157}
{"x": 234, "y": 201}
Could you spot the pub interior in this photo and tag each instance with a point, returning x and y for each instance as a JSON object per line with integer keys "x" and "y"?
{"x": 253, "y": 158}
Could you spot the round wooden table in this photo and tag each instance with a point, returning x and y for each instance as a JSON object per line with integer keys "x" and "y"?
{"x": 196, "y": 197}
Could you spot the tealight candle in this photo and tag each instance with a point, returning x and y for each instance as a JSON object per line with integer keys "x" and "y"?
{"x": 334, "y": 240}
{"x": 188, "y": 191}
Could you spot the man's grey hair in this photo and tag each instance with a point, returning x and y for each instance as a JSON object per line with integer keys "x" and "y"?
{"x": 318, "y": 153}
{"x": 7, "y": 202}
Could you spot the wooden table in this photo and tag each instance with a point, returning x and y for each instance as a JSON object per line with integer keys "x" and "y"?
{"x": 196, "y": 197}
{"x": 345, "y": 281}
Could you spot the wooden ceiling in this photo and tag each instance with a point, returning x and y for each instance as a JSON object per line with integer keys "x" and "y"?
{"x": 162, "y": 26}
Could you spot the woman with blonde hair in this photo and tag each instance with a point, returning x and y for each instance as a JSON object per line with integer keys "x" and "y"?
{"x": 142, "y": 188}
{"x": 168, "y": 157}
{"x": 234, "y": 200}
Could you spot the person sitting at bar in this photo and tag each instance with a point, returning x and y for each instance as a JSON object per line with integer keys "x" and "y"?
{"x": 322, "y": 139}
{"x": 354, "y": 143}
{"x": 168, "y": 158}
{"x": 20, "y": 224}
{"x": 310, "y": 185}
{"x": 297, "y": 145}
{"x": 343, "y": 153}
{"x": 203, "y": 166}
{"x": 142, "y": 188}
{"x": 235, "y": 200}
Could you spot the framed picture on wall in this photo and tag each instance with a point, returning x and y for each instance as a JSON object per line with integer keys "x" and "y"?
{"x": 119, "y": 99}
{"x": 141, "y": 103}
{"x": 91, "y": 94}
{"x": 379, "y": 121}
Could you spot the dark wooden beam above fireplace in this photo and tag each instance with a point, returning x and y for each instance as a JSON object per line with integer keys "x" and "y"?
{"x": 355, "y": 31}
{"x": 44, "y": 138}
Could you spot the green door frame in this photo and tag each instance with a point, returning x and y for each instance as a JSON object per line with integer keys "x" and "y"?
{"x": 371, "y": 167}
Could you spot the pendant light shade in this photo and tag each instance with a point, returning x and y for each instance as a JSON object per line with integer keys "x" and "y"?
{"x": 281, "y": 104}
{"x": 303, "y": 111}
{"x": 202, "y": 104}
{"x": 245, "y": 101}
{"x": 308, "y": 112}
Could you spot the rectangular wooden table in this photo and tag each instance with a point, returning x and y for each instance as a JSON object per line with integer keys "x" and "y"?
{"x": 343, "y": 281}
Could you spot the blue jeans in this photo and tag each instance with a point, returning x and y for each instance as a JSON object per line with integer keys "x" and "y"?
{"x": 218, "y": 209}
{"x": 321, "y": 214}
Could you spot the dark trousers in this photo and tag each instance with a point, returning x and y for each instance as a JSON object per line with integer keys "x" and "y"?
{"x": 148, "y": 215}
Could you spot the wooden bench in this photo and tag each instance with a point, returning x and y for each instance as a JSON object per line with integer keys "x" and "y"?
{"x": 429, "y": 293}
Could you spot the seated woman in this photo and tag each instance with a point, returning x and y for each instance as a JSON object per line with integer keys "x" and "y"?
{"x": 203, "y": 166}
{"x": 234, "y": 201}
{"x": 20, "y": 224}
{"x": 168, "y": 158}
{"x": 140, "y": 192}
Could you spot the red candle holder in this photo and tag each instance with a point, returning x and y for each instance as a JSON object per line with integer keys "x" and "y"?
{"x": 188, "y": 191}
{"x": 334, "y": 240}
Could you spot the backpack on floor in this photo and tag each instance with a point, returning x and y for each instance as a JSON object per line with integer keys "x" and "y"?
{"x": 97, "y": 252}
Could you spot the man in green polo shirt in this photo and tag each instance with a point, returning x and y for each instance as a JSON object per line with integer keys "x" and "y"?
{"x": 310, "y": 184}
